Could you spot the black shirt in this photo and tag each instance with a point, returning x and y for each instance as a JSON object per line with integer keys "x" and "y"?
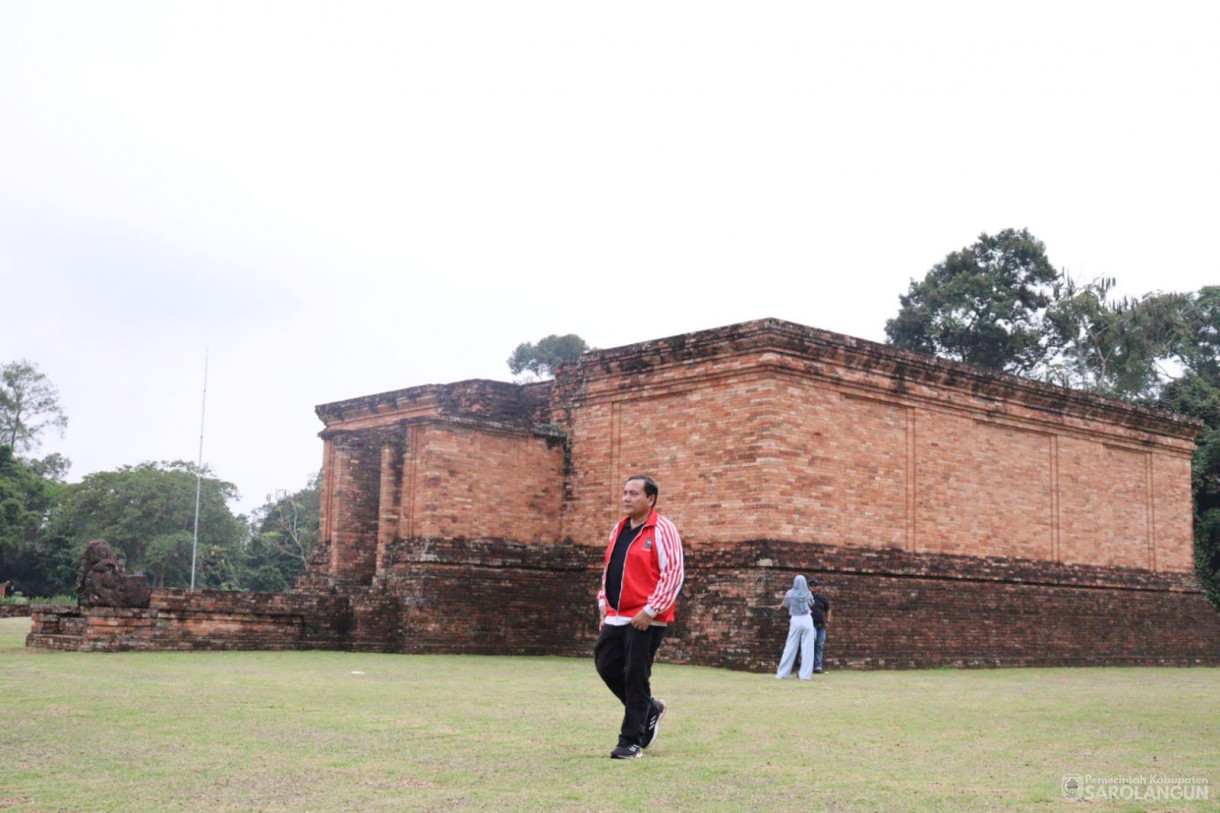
{"x": 618, "y": 560}
{"x": 819, "y": 608}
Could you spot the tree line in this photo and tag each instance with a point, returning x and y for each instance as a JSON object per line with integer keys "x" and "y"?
{"x": 999, "y": 304}
{"x": 146, "y": 512}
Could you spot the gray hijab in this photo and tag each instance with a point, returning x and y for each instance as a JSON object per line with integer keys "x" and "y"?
{"x": 798, "y": 599}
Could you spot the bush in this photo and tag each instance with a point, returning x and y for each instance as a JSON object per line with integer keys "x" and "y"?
{"x": 17, "y": 598}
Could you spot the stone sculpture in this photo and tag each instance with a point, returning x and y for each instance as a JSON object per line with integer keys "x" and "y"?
{"x": 103, "y": 582}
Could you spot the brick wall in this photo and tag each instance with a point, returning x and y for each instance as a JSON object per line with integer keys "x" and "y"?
{"x": 451, "y": 494}
{"x": 493, "y": 597}
{"x": 202, "y": 619}
{"x": 895, "y": 609}
{"x": 350, "y": 499}
{"x": 777, "y": 431}
{"x": 890, "y": 609}
{"x": 472, "y": 459}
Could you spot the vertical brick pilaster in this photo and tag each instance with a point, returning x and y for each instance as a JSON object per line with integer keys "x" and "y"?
{"x": 1056, "y": 545}
{"x": 911, "y": 495}
{"x": 406, "y": 519}
{"x": 388, "y": 507}
{"x": 1151, "y": 514}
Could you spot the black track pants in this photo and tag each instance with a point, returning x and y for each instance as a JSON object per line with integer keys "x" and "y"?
{"x": 624, "y": 660}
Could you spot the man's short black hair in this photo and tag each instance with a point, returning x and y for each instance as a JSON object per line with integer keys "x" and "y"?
{"x": 650, "y": 486}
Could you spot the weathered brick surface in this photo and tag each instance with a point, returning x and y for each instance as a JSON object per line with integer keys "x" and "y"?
{"x": 202, "y": 619}
{"x": 351, "y": 491}
{"x": 414, "y": 463}
{"x": 958, "y": 517}
{"x": 896, "y": 609}
{"x": 14, "y": 610}
{"x": 891, "y": 608}
{"x": 796, "y": 434}
{"x": 450, "y": 494}
{"x": 493, "y": 596}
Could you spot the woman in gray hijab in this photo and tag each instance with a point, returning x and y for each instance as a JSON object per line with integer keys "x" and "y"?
{"x": 800, "y": 630}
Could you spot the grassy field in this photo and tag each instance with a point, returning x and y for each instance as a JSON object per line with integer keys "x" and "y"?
{"x": 328, "y": 731}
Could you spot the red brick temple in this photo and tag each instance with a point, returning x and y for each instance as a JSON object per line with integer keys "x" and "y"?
{"x": 955, "y": 516}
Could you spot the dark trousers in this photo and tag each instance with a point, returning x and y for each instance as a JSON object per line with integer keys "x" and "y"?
{"x": 623, "y": 656}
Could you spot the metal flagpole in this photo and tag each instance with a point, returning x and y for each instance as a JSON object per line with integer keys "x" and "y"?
{"x": 199, "y": 469}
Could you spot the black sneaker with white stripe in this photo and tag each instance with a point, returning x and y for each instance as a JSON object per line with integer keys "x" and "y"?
{"x": 653, "y": 725}
{"x": 627, "y": 752}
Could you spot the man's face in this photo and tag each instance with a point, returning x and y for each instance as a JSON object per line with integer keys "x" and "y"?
{"x": 634, "y": 501}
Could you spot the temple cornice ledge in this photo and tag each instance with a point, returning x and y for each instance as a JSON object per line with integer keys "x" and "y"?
{"x": 781, "y": 345}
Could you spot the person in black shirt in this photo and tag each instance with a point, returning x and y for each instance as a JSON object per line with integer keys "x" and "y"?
{"x": 640, "y": 584}
{"x": 821, "y": 618}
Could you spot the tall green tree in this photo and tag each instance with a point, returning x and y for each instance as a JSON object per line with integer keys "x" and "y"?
{"x": 147, "y": 514}
{"x": 26, "y": 497}
{"x": 984, "y": 305}
{"x": 1201, "y": 352}
{"x": 1196, "y": 392}
{"x": 1199, "y": 396}
{"x": 549, "y": 352}
{"x": 1123, "y": 348}
{"x": 29, "y": 405}
{"x": 283, "y": 532}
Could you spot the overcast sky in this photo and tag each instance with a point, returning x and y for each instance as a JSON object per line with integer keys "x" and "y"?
{"x": 330, "y": 200}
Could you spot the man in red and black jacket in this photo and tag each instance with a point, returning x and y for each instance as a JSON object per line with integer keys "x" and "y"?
{"x": 640, "y": 585}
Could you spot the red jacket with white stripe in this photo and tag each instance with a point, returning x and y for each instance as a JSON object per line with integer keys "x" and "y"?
{"x": 653, "y": 573}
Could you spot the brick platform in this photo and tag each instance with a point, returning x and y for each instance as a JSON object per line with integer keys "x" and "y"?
{"x": 203, "y": 619}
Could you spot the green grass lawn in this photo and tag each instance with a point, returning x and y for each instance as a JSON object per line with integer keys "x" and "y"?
{"x": 323, "y": 731}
